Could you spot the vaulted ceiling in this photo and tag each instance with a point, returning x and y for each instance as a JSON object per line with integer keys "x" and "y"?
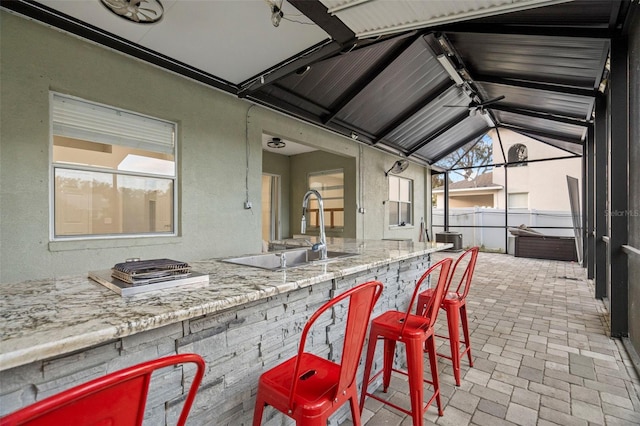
{"x": 415, "y": 78}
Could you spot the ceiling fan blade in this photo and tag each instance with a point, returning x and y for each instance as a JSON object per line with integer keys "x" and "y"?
{"x": 455, "y": 106}
{"x": 491, "y": 101}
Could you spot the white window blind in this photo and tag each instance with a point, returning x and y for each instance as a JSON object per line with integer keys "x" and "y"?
{"x": 82, "y": 120}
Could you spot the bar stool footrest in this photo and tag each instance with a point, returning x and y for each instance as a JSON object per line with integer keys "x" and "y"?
{"x": 397, "y": 407}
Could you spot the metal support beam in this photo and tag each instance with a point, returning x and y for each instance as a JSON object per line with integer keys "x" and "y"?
{"x": 506, "y": 208}
{"x": 536, "y": 85}
{"x": 600, "y": 199}
{"x": 619, "y": 187}
{"x": 588, "y": 204}
{"x": 538, "y": 114}
{"x": 446, "y": 201}
{"x": 317, "y": 12}
{"x": 506, "y": 193}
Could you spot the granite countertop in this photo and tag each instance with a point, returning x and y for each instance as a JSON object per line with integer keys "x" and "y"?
{"x": 46, "y": 318}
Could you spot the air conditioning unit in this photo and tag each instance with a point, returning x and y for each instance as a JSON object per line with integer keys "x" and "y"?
{"x": 454, "y": 238}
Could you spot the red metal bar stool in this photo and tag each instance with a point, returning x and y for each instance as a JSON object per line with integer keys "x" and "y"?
{"x": 416, "y": 332}
{"x": 117, "y": 399}
{"x": 309, "y": 388}
{"x": 454, "y": 304}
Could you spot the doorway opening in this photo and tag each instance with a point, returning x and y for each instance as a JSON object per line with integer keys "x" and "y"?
{"x": 270, "y": 207}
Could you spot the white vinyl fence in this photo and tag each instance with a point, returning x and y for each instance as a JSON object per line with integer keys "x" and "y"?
{"x": 494, "y": 238}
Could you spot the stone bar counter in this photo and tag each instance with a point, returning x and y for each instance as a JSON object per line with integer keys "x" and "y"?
{"x": 57, "y": 333}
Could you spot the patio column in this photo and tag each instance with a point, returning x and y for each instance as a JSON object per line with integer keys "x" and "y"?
{"x": 446, "y": 201}
{"x": 587, "y": 203}
{"x": 619, "y": 187}
{"x": 600, "y": 199}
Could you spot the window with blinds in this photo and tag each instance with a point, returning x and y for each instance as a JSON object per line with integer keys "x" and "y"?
{"x": 114, "y": 171}
{"x": 400, "y": 200}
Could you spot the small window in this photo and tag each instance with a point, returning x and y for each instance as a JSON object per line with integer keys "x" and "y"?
{"x": 518, "y": 153}
{"x": 400, "y": 200}
{"x": 519, "y": 200}
{"x": 114, "y": 172}
{"x": 330, "y": 185}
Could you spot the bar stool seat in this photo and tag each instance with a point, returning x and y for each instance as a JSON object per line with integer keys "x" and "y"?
{"x": 415, "y": 332}
{"x": 309, "y": 388}
{"x": 454, "y": 304}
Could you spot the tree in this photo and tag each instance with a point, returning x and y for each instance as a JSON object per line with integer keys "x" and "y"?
{"x": 470, "y": 161}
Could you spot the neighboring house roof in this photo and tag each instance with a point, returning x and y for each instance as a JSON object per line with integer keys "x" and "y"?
{"x": 483, "y": 181}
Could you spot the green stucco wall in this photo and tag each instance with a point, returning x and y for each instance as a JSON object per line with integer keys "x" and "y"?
{"x": 213, "y": 129}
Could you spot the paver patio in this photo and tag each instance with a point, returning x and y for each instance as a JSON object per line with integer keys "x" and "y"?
{"x": 542, "y": 354}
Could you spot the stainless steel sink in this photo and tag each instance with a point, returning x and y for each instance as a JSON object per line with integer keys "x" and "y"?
{"x": 292, "y": 259}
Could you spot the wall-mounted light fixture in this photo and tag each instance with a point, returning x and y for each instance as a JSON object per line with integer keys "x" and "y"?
{"x": 398, "y": 167}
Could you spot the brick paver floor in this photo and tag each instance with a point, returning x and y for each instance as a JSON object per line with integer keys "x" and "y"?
{"x": 542, "y": 354}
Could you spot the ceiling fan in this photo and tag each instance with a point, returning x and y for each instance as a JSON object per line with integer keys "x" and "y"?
{"x": 476, "y": 105}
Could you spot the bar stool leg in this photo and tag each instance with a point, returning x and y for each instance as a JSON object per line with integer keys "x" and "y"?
{"x": 371, "y": 349}
{"x": 465, "y": 330}
{"x": 258, "y": 410}
{"x": 355, "y": 411}
{"x": 433, "y": 361}
{"x": 389, "y": 354}
{"x": 416, "y": 374}
{"x": 453, "y": 321}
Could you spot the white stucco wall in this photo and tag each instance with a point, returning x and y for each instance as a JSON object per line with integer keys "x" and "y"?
{"x": 211, "y": 148}
{"x": 544, "y": 181}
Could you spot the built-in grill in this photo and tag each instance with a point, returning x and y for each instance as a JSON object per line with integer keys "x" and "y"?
{"x": 149, "y": 271}
{"x": 138, "y": 276}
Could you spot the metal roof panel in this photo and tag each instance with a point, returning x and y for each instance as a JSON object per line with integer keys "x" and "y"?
{"x": 429, "y": 119}
{"x": 562, "y": 130}
{"x": 563, "y": 104}
{"x": 568, "y": 61}
{"x": 464, "y": 132}
{"x": 413, "y": 74}
{"x": 327, "y": 80}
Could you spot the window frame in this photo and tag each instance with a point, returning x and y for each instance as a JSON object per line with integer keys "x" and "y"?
{"x": 327, "y": 218}
{"x": 514, "y": 194}
{"x": 53, "y": 166}
{"x": 400, "y": 202}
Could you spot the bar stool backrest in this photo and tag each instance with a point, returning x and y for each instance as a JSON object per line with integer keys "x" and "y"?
{"x": 470, "y": 256}
{"x": 362, "y": 300}
{"x": 431, "y": 310}
{"x": 118, "y": 399}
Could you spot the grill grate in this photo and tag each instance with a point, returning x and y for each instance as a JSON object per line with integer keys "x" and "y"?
{"x": 153, "y": 270}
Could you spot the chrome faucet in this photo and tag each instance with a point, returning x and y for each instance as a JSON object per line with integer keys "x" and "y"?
{"x": 322, "y": 245}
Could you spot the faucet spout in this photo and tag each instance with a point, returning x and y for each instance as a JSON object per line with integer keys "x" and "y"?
{"x": 322, "y": 245}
